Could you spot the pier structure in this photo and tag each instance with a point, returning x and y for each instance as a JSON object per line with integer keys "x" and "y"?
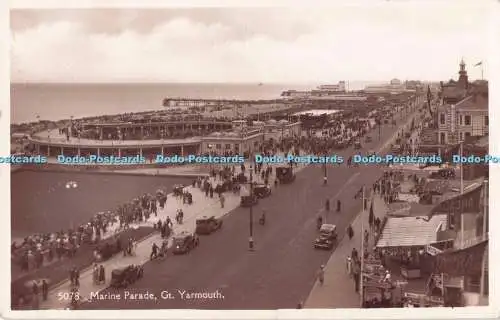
{"x": 190, "y": 102}
{"x": 159, "y": 138}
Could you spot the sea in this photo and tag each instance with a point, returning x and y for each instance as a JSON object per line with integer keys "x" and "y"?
{"x": 51, "y": 101}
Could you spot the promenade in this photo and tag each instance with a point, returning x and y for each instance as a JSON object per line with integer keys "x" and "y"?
{"x": 202, "y": 206}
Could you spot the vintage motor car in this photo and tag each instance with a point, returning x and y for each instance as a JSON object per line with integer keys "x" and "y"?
{"x": 122, "y": 277}
{"x": 248, "y": 201}
{"x": 107, "y": 250}
{"x": 207, "y": 225}
{"x": 285, "y": 174}
{"x": 261, "y": 190}
{"x": 184, "y": 242}
{"x": 327, "y": 237}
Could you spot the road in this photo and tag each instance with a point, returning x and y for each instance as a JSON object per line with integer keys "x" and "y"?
{"x": 281, "y": 271}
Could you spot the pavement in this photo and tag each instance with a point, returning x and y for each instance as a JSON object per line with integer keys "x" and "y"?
{"x": 281, "y": 270}
{"x": 328, "y": 295}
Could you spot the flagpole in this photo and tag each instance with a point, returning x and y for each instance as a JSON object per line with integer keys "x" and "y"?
{"x": 361, "y": 288}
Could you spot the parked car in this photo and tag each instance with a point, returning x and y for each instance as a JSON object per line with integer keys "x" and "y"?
{"x": 207, "y": 225}
{"x": 261, "y": 190}
{"x": 285, "y": 174}
{"x": 327, "y": 237}
{"x": 248, "y": 201}
{"x": 108, "y": 250}
{"x": 185, "y": 242}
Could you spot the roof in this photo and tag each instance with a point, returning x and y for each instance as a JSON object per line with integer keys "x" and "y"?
{"x": 437, "y": 186}
{"x": 452, "y": 91}
{"x": 411, "y": 231}
{"x": 408, "y": 209}
{"x": 473, "y": 103}
{"x": 205, "y": 218}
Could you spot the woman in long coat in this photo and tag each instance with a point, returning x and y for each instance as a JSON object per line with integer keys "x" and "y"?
{"x": 102, "y": 274}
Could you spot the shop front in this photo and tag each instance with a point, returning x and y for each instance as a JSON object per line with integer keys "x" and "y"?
{"x": 404, "y": 241}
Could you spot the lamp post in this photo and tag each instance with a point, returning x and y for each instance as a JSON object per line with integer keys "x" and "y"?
{"x": 362, "y": 262}
{"x": 379, "y": 124}
{"x": 250, "y": 239}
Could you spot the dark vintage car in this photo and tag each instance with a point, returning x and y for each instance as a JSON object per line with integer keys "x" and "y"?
{"x": 248, "y": 201}
{"x": 327, "y": 237}
{"x": 122, "y": 277}
{"x": 368, "y": 139}
{"x": 285, "y": 174}
{"x": 261, "y": 191}
{"x": 185, "y": 242}
{"x": 207, "y": 225}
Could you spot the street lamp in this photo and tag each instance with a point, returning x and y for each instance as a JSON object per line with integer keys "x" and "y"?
{"x": 250, "y": 239}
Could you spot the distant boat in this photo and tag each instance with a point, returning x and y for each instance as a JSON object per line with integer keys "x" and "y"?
{"x": 260, "y": 84}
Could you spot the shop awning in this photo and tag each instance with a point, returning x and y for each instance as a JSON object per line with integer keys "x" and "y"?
{"x": 411, "y": 231}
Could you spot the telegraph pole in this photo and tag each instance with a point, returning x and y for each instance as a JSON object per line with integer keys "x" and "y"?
{"x": 250, "y": 239}
{"x": 461, "y": 195}
{"x": 361, "y": 278}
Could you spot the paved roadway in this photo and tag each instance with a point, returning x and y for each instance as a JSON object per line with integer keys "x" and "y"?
{"x": 282, "y": 269}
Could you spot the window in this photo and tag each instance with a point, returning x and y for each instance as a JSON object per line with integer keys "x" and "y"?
{"x": 218, "y": 146}
{"x": 228, "y": 146}
{"x": 467, "y": 134}
{"x": 451, "y": 221}
{"x": 467, "y": 120}
{"x": 236, "y": 147}
{"x": 442, "y": 138}
{"x": 442, "y": 119}
{"x": 486, "y": 121}
{"x": 461, "y": 120}
{"x": 461, "y": 136}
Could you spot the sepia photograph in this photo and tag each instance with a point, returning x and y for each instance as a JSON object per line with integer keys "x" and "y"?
{"x": 250, "y": 158}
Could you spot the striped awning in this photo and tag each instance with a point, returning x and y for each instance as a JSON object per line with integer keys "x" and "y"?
{"x": 411, "y": 231}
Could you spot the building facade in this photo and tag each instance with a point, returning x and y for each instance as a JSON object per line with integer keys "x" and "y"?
{"x": 245, "y": 142}
{"x": 463, "y": 111}
{"x": 467, "y": 118}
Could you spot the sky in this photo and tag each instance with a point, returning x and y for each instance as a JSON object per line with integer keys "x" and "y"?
{"x": 424, "y": 41}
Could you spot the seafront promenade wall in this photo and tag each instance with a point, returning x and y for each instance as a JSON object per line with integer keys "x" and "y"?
{"x": 152, "y": 169}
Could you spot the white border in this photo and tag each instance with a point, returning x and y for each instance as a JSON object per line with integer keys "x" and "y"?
{"x": 471, "y": 312}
